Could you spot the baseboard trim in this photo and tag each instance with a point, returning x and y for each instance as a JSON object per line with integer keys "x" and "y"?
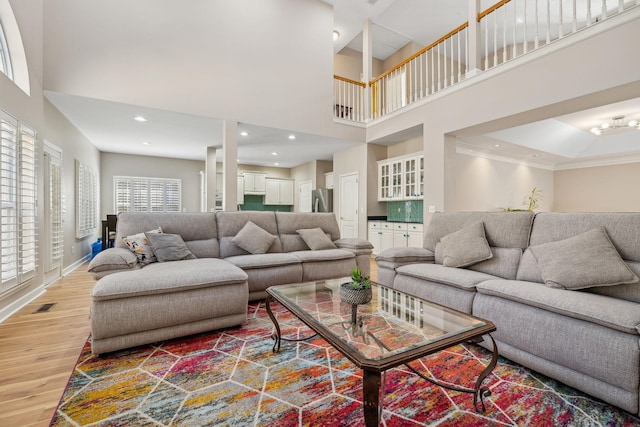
{"x": 68, "y": 269}
{"x": 18, "y": 304}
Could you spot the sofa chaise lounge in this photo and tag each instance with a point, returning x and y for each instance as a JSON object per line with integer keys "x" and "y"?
{"x": 561, "y": 288}
{"x": 219, "y": 262}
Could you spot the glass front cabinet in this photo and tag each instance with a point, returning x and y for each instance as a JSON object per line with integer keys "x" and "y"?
{"x": 401, "y": 178}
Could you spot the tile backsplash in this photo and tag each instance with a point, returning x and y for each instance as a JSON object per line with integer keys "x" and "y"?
{"x": 405, "y": 211}
{"x": 256, "y": 203}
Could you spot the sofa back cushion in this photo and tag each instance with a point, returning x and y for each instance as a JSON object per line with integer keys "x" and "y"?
{"x": 289, "y": 222}
{"x": 502, "y": 229}
{"x": 230, "y": 223}
{"x": 506, "y": 232}
{"x": 198, "y": 230}
{"x": 623, "y": 229}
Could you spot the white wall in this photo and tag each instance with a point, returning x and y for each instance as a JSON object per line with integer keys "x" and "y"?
{"x": 601, "y": 189}
{"x": 266, "y": 62}
{"x": 483, "y": 184}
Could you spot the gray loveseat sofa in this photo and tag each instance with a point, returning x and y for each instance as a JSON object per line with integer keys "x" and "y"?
{"x": 226, "y": 260}
{"x": 565, "y": 302}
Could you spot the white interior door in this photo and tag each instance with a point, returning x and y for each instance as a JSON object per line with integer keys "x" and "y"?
{"x": 304, "y": 196}
{"x": 349, "y": 205}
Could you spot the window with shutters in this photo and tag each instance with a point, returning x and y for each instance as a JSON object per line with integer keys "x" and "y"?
{"x": 140, "y": 194}
{"x": 18, "y": 231}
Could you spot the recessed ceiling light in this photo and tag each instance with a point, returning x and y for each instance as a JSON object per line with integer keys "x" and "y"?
{"x": 244, "y": 133}
{"x": 276, "y": 164}
{"x": 497, "y": 145}
{"x": 336, "y": 35}
{"x": 292, "y": 137}
{"x": 274, "y": 154}
{"x": 139, "y": 119}
{"x": 146, "y": 143}
{"x": 535, "y": 155}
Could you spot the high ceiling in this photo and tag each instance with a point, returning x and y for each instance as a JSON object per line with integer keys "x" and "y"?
{"x": 554, "y": 142}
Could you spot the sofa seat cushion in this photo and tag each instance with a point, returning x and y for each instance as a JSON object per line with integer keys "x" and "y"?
{"x": 162, "y": 278}
{"x": 323, "y": 255}
{"x": 457, "y": 277}
{"x": 613, "y": 313}
{"x": 248, "y": 262}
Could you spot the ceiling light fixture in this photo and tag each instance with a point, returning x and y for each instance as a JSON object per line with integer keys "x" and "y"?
{"x": 276, "y": 164}
{"x": 292, "y": 137}
{"x": 336, "y": 35}
{"x": 139, "y": 119}
{"x": 274, "y": 154}
{"x": 244, "y": 133}
{"x": 616, "y": 123}
{"x": 146, "y": 143}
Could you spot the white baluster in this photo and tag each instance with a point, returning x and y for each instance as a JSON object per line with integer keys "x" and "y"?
{"x": 561, "y": 29}
{"x": 433, "y": 71}
{"x": 459, "y": 53}
{"x": 588, "y": 12}
{"x": 504, "y": 33}
{"x": 486, "y": 43}
{"x": 536, "y": 39}
{"x": 526, "y": 45}
{"x": 515, "y": 25}
{"x": 495, "y": 38}
{"x": 574, "y": 26}
{"x": 439, "y": 68}
{"x": 452, "y": 72}
{"x": 444, "y": 59}
{"x": 620, "y": 6}
{"x": 604, "y": 10}
{"x": 549, "y": 21}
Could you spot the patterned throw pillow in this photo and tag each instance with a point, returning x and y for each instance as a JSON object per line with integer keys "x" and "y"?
{"x": 139, "y": 245}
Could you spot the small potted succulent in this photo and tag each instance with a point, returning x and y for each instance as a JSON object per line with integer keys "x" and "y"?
{"x": 358, "y": 291}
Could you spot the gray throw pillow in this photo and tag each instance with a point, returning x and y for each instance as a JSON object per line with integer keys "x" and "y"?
{"x": 583, "y": 261}
{"x": 113, "y": 259}
{"x": 465, "y": 247}
{"x": 254, "y": 239}
{"x": 316, "y": 239}
{"x": 169, "y": 247}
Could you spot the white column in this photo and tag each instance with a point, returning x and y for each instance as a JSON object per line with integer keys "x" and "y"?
{"x": 475, "y": 41}
{"x": 230, "y": 165}
{"x": 211, "y": 179}
{"x": 367, "y": 66}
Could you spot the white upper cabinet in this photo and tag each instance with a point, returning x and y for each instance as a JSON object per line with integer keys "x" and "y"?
{"x": 278, "y": 191}
{"x": 401, "y": 178}
{"x": 254, "y": 182}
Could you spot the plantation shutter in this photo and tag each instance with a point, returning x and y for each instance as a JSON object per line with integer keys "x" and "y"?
{"x": 18, "y": 221}
{"x": 141, "y": 194}
{"x": 55, "y": 209}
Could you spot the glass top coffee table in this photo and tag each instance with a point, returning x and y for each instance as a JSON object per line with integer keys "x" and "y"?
{"x": 391, "y": 330}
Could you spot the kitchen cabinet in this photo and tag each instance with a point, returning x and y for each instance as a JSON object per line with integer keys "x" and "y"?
{"x": 254, "y": 182}
{"x": 328, "y": 180}
{"x": 380, "y": 235}
{"x": 278, "y": 191}
{"x": 401, "y": 178}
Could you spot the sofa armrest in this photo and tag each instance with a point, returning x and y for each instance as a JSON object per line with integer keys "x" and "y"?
{"x": 113, "y": 259}
{"x": 403, "y": 256}
{"x": 355, "y": 245}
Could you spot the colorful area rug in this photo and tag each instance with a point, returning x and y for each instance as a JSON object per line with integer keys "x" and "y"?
{"x": 232, "y": 378}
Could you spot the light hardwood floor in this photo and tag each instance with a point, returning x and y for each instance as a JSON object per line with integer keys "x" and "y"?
{"x": 38, "y": 351}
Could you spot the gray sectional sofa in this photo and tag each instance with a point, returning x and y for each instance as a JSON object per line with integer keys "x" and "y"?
{"x": 203, "y": 279}
{"x": 561, "y": 288}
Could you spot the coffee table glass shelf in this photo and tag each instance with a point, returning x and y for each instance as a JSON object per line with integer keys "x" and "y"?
{"x": 393, "y": 329}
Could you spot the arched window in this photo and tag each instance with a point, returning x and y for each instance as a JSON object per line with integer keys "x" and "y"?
{"x": 5, "y": 59}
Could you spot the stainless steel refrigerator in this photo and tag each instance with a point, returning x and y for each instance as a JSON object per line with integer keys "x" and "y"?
{"x": 322, "y": 200}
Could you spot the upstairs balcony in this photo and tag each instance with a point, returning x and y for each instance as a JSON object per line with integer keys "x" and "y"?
{"x": 505, "y": 31}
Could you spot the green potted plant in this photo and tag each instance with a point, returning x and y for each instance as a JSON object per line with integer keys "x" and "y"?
{"x": 358, "y": 290}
